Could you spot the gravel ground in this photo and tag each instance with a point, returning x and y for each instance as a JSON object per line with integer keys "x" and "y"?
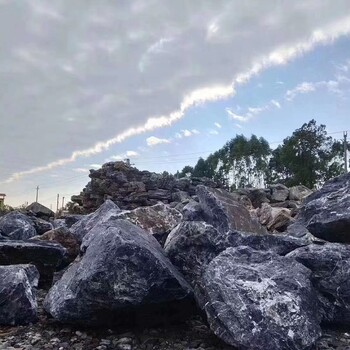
{"x": 194, "y": 334}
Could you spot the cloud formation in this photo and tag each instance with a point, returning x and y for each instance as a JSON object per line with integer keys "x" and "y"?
{"x": 153, "y": 141}
{"x": 109, "y": 70}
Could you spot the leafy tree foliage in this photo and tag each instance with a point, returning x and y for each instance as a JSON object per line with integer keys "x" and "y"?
{"x": 187, "y": 171}
{"x": 308, "y": 157}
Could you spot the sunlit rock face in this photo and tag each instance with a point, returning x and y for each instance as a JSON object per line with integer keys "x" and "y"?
{"x": 122, "y": 278}
{"x": 326, "y": 212}
{"x": 252, "y": 302}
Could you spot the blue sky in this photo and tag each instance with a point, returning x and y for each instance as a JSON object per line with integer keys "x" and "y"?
{"x": 60, "y": 100}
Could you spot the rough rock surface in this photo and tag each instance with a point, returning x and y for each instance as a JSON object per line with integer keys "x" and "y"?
{"x": 64, "y": 237}
{"x": 68, "y": 219}
{"x": 298, "y": 193}
{"x": 16, "y": 225}
{"x": 192, "y": 211}
{"x": 279, "y": 193}
{"x": 102, "y": 214}
{"x": 223, "y": 212}
{"x": 298, "y": 230}
{"x": 158, "y": 220}
{"x": 45, "y": 256}
{"x": 193, "y": 334}
{"x": 326, "y": 213}
{"x": 252, "y": 302}
{"x": 17, "y": 299}
{"x": 41, "y": 226}
{"x": 192, "y": 245}
{"x": 40, "y": 211}
{"x": 131, "y": 188}
{"x": 123, "y": 277}
{"x": 330, "y": 266}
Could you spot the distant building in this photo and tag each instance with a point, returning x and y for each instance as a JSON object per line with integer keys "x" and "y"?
{"x": 2, "y": 200}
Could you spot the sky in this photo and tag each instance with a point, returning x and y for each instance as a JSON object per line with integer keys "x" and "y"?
{"x": 160, "y": 82}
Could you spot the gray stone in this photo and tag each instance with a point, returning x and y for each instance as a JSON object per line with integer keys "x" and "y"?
{"x": 298, "y": 230}
{"x": 326, "y": 213}
{"x": 45, "y": 256}
{"x": 158, "y": 220}
{"x": 259, "y": 300}
{"x": 123, "y": 277}
{"x": 18, "y": 304}
{"x": 16, "y": 225}
{"x": 64, "y": 237}
{"x": 330, "y": 266}
{"x": 40, "y": 210}
{"x": 225, "y": 213}
{"x": 298, "y": 193}
{"x": 41, "y": 226}
{"x": 279, "y": 193}
{"x": 192, "y": 211}
{"x": 192, "y": 245}
{"x": 102, "y": 214}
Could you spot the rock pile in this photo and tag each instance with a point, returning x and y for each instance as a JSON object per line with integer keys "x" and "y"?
{"x": 258, "y": 289}
{"x": 131, "y": 188}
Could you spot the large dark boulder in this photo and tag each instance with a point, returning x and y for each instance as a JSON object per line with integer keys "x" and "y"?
{"x": 330, "y": 266}
{"x": 298, "y": 230}
{"x": 260, "y": 300}
{"x": 101, "y": 215}
{"x": 16, "y": 225}
{"x": 326, "y": 213}
{"x": 122, "y": 278}
{"x": 41, "y": 226}
{"x": 192, "y": 245}
{"x": 45, "y": 256}
{"x": 40, "y": 211}
{"x": 223, "y": 212}
{"x": 18, "y": 304}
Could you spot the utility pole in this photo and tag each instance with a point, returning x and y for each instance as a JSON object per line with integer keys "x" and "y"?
{"x": 62, "y": 203}
{"x": 58, "y": 201}
{"x": 37, "y": 194}
{"x": 345, "y": 152}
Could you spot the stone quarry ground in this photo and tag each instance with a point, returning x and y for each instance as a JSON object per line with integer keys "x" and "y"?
{"x": 193, "y": 334}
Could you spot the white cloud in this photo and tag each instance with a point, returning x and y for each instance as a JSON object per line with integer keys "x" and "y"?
{"x": 186, "y": 133}
{"x": 275, "y": 103}
{"x": 213, "y": 132}
{"x": 94, "y": 80}
{"x": 252, "y": 111}
{"x": 235, "y": 116}
{"x": 123, "y": 156}
{"x": 95, "y": 166}
{"x": 302, "y": 88}
{"x": 333, "y": 86}
{"x": 153, "y": 141}
{"x": 131, "y": 154}
{"x": 217, "y": 125}
{"x": 81, "y": 170}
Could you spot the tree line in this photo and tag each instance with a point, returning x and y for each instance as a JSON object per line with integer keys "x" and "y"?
{"x": 308, "y": 157}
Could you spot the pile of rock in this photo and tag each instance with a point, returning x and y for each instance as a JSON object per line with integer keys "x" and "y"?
{"x": 275, "y": 206}
{"x": 131, "y": 188}
{"x": 157, "y": 264}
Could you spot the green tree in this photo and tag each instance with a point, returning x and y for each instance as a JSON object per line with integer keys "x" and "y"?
{"x": 187, "y": 171}
{"x": 308, "y": 157}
